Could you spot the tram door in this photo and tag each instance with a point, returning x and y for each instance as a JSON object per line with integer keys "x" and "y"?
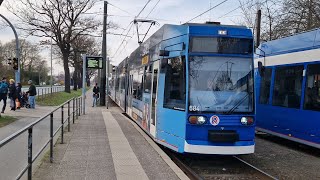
{"x": 154, "y": 92}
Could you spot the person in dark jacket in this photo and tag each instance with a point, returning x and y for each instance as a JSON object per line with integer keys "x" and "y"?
{"x": 95, "y": 94}
{"x": 4, "y": 92}
{"x": 12, "y": 94}
{"x": 32, "y": 94}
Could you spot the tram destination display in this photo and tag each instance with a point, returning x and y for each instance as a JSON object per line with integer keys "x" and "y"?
{"x": 94, "y": 62}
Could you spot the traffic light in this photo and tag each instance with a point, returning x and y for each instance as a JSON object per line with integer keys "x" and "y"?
{"x": 15, "y": 64}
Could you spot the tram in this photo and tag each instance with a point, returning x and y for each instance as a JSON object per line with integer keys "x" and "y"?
{"x": 190, "y": 87}
{"x": 288, "y": 88}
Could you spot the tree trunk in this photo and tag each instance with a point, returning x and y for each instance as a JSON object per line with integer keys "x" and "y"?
{"x": 75, "y": 79}
{"x": 66, "y": 73}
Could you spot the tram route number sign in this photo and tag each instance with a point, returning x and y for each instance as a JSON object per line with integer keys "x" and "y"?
{"x": 94, "y": 62}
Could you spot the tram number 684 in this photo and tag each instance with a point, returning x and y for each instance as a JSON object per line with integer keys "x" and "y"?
{"x": 194, "y": 108}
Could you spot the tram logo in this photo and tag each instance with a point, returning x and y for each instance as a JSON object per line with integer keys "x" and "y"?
{"x": 214, "y": 120}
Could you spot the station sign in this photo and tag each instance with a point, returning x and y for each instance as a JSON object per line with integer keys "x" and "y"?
{"x": 94, "y": 62}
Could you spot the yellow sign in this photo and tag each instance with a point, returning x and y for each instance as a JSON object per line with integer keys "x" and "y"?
{"x": 145, "y": 59}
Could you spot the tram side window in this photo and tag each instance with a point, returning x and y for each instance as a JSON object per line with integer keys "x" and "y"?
{"x": 122, "y": 82}
{"x": 312, "y": 91}
{"x": 117, "y": 83}
{"x": 175, "y": 83}
{"x": 137, "y": 84}
{"x": 287, "y": 87}
{"x": 265, "y": 86}
{"x": 148, "y": 79}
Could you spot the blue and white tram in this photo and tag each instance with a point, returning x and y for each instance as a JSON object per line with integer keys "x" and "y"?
{"x": 288, "y": 90}
{"x": 191, "y": 88}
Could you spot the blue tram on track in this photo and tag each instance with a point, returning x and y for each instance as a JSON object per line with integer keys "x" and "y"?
{"x": 288, "y": 90}
{"x": 191, "y": 88}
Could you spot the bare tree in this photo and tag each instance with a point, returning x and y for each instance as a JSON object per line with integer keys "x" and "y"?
{"x": 61, "y": 20}
{"x": 299, "y": 16}
{"x": 29, "y": 57}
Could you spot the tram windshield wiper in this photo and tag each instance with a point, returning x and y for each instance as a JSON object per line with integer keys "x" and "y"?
{"x": 238, "y": 104}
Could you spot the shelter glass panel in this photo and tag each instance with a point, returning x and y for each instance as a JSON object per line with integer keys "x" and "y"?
{"x": 312, "y": 92}
{"x": 287, "y": 86}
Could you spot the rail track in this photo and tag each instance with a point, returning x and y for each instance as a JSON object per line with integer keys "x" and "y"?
{"x": 209, "y": 167}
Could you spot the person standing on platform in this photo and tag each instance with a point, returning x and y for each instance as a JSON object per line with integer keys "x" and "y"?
{"x": 4, "y": 93}
{"x": 32, "y": 94}
{"x": 12, "y": 94}
{"x": 95, "y": 94}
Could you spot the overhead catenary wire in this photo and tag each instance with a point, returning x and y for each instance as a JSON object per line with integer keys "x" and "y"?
{"x": 131, "y": 23}
{"x": 140, "y": 25}
{"x": 207, "y": 11}
{"x": 120, "y": 9}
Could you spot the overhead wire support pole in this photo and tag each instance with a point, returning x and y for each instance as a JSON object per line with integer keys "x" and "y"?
{"x": 17, "y": 72}
{"x": 258, "y": 28}
{"x": 104, "y": 56}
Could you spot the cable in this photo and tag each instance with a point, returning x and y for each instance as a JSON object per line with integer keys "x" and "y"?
{"x": 120, "y": 9}
{"x": 207, "y": 10}
{"x": 143, "y": 8}
{"x": 153, "y": 8}
{"x": 131, "y": 23}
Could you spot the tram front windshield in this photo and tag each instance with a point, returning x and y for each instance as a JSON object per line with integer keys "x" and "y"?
{"x": 220, "y": 84}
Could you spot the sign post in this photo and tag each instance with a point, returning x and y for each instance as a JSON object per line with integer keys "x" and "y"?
{"x": 92, "y": 62}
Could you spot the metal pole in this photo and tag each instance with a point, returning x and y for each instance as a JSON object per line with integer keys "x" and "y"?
{"x": 51, "y": 137}
{"x": 17, "y": 73}
{"x": 107, "y": 98}
{"x": 51, "y": 82}
{"x": 258, "y": 28}
{"x": 30, "y": 153}
{"x": 76, "y": 108}
{"x": 68, "y": 116}
{"x": 62, "y": 126}
{"x": 73, "y": 108}
{"x": 84, "y": 82}
{"x": 104, "y": 55}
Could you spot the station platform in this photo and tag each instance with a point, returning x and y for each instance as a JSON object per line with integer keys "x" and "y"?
{"x": 105, "y": 144}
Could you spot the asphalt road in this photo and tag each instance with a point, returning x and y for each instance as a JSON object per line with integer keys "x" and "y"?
{"x": 13, "y": 156}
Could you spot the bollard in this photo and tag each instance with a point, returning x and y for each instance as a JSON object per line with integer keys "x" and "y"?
{"x": 42, "y": 93}
{"x": 68, "y": 116}
{"x": 62, "y": 127}
{"x": 38, "y": 93}
{"x": 51, "y": 137}
{"x": 80, "y": 104}
{"x": 30, "y": 153}
{"x": 76, "y": 108}
{"x": 73, "y": 110}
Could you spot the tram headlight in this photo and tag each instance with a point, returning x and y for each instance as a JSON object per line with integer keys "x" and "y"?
{"x": 246, "y": 120}
{"x": 197, "y": 120}
{"x": 201, "y": 120}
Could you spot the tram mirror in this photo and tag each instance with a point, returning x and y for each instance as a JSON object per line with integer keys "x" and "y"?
{"x": 164, "y": 53}
{"x": 261, "y": 68}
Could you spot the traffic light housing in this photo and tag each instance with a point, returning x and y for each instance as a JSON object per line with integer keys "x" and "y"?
{"x": 15, "y": 64}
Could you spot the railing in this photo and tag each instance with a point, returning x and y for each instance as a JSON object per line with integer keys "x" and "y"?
{"x": 76, "y": 112}
{"x": 43, "y": 92}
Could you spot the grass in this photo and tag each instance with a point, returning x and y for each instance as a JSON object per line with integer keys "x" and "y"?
{"x": 57, "y": 98}
{"x": 5, "y": 120}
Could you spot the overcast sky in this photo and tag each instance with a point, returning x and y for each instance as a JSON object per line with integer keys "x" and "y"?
{"x": 165, "y": 12}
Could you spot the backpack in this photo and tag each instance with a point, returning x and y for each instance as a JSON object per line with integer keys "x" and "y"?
{"x": 4, "y": 88}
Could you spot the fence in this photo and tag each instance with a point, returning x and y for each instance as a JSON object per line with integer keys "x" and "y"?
{"x": 76, "y": 111}
{"x": 42, "y": 92}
